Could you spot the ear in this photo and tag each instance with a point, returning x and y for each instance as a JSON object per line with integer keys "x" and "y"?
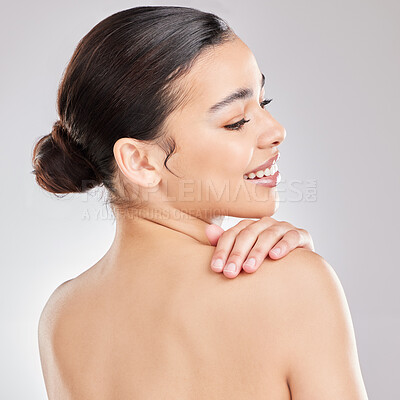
{"x": 134, "y": 160}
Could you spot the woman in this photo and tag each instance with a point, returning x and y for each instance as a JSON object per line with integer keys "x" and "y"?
{"x": 150, "y": 320}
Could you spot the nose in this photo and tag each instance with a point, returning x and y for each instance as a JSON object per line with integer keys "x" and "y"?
{"x": 272, "y": 133}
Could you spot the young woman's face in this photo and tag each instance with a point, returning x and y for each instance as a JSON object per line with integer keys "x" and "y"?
{"x": 212, "y": 160}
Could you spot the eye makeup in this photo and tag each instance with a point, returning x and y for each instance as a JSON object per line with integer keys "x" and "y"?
{"x": 239, "y": 125}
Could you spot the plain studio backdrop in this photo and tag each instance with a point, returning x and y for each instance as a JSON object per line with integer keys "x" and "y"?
{"x": 332, "y": 69}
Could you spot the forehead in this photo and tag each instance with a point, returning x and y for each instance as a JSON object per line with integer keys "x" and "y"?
{"x": 217, "y": 72}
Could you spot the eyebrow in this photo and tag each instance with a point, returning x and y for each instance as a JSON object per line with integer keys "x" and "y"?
{"x": 240, "y": 94}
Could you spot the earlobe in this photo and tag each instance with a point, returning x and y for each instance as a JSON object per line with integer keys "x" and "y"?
{"x": 155, "y": 182}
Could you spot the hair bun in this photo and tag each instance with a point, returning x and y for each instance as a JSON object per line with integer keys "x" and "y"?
{"x": 59, "y": 134}
{"x": 60, "y": 164}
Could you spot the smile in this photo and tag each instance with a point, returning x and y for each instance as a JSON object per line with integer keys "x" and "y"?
{"x": 269, "y": 168}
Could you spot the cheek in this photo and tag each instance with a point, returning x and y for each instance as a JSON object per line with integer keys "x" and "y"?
{"x": 232, "y": 156}
{"x": 216, "y": 154}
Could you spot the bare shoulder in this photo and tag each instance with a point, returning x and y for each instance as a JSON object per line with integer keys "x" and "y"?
{"x": 303, "y": 299}
{"x": 54, "y": 311}
{"x": 300, "y": 264}
{"x": 57, "y": 297}
{"x": 49, "y": 322}
{"x": 62, "y": 339}
{"x": 299, "y": 276}
{"x": 62, "y": 304}
{"x": 297, "y": 284}
{"x": 302, "y": 275}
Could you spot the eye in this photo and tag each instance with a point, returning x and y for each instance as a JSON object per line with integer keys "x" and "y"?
{"x": 265, "y": 102}
{"x": 239, "y": 125}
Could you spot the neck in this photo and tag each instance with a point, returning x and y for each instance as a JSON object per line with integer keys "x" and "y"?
{"x": 157, "y": 221}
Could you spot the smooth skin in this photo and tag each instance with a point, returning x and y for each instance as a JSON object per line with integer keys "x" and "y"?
{"x": 152, "y": 320}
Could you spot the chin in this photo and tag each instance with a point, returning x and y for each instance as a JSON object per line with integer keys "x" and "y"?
{"x": 255, "y": 209}
{"x": 259, "y": 209}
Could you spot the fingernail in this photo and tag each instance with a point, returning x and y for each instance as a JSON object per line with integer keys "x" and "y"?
{"x": 251, "y": 262}
{"x": 231, "y": 267}
{"x": 276, "y": 251}
{"x": 217, "y": 264}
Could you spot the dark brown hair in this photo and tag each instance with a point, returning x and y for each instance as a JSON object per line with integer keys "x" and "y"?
{"x": 121, "y": 82}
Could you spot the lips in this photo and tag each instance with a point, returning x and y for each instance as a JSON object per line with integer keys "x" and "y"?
{"x": 267, "y": 164}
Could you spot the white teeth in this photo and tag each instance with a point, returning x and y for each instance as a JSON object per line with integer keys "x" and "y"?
{"x": 259, "y": 174}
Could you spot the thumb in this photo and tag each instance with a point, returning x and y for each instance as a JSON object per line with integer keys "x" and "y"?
{"x": 213, "y": 233}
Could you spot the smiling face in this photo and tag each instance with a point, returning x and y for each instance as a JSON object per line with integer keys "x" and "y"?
{"x": 213, "y": 152}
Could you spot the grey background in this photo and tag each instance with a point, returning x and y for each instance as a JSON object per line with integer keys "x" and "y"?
{"x": 332, "y": 69}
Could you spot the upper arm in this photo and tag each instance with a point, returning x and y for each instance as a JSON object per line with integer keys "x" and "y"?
{"x": 317, "y": 331}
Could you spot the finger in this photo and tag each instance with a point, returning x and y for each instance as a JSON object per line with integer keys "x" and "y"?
{"x": 225, "y": 244}
{"x": 282, "y": 232}
{"x": 244, "y": 242}
{"x": 213, "y": 233}
{"x": 291, "y": 240}
{"x": 265, "y": 241}
{"x": 309, "y": 244}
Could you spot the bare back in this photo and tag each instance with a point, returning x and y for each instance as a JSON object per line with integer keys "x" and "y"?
{"x": 182, "y": 331}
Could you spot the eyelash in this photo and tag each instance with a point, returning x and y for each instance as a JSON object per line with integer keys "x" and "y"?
{"x": 239, "y": 125}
